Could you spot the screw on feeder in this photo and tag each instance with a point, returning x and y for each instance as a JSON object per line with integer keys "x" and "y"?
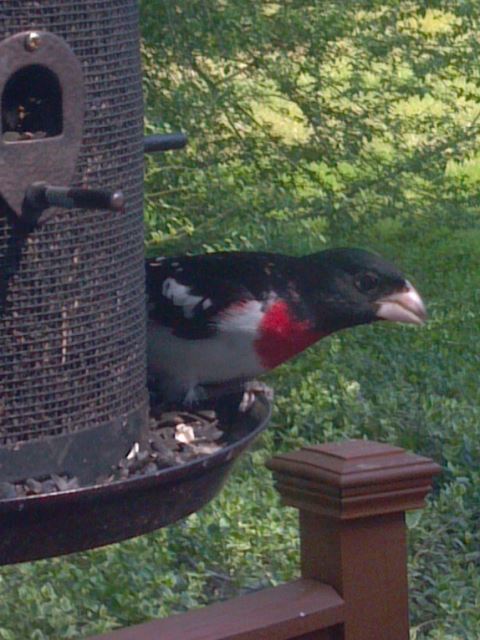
{"x": 117, "y": 201}
{"x": 32, "y": 41}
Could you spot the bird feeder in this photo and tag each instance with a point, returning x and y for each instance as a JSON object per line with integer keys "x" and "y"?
{"x": 73, "y": 396}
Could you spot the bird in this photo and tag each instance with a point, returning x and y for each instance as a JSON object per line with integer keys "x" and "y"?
{"x": 218, "y": 320}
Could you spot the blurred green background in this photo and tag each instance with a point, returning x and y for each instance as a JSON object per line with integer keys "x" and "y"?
{"x": 311, "y": 124}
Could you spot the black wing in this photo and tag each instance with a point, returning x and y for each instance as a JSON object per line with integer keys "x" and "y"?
{"x": 187, "y": 293}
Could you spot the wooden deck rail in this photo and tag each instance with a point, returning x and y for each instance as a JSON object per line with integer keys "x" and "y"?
{"x": 352, "y": 498}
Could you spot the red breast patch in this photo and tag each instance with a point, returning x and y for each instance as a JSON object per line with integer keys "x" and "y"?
{"x": 282, "y": 336}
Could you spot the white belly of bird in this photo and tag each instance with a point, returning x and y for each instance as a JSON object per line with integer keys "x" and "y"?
{"x": 180, "y": 364}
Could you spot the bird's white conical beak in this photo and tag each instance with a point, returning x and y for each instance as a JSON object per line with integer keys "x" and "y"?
{"x": 402, "y": 306}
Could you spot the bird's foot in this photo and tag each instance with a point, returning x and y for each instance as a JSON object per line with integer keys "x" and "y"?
{"x": 207, "y": 396}
{"x": 252, "y": 389}
{"x": 246, "y": 391}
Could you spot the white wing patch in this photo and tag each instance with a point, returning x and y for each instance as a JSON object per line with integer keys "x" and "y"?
{"x": 180, "y": 295}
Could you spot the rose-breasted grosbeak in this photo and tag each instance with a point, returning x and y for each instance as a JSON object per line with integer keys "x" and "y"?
{"x": 224, "y": 317}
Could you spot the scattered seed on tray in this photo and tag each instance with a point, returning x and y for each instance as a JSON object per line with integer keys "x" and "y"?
{"x": 173, "y": 438}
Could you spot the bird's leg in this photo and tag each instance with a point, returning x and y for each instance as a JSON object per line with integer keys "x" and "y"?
{"x": 247, "y": 390}
{"x": 195, "y": 395}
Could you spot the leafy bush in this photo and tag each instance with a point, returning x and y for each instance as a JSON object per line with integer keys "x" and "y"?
{"x": 315, "y": 117}
{"x": 311, "y": 123}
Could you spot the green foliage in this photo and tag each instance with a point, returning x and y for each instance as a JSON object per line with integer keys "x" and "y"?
{"x": 311, "y": 123}
{"x": 319, "y": 117}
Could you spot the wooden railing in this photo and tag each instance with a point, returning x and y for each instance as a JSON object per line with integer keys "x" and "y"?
{"x": 352, "y": 498}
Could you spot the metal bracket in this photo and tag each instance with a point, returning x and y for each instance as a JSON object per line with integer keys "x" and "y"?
{"x": 42, "y": 145}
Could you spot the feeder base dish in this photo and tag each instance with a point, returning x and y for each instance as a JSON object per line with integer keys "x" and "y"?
{"x": 42, "y": 526}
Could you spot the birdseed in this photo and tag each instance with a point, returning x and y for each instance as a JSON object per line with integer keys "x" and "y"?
{"x": 173, "y": 438}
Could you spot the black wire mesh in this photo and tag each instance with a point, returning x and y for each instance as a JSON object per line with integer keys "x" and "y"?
{"x": 72, "y": 342}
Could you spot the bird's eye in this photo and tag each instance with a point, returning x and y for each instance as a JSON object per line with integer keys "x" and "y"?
{"x": 366, "y": 282}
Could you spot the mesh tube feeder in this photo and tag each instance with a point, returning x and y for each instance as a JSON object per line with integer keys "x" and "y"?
{"x": 73, "y": 396}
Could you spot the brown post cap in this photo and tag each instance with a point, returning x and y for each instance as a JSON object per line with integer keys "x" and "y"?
{"x": 353, "y": 479}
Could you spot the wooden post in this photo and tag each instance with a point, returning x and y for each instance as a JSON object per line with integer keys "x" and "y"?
{"x": 352, "y": 498}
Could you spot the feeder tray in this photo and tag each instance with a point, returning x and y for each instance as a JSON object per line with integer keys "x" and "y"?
{"x": 55, "y": 524}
